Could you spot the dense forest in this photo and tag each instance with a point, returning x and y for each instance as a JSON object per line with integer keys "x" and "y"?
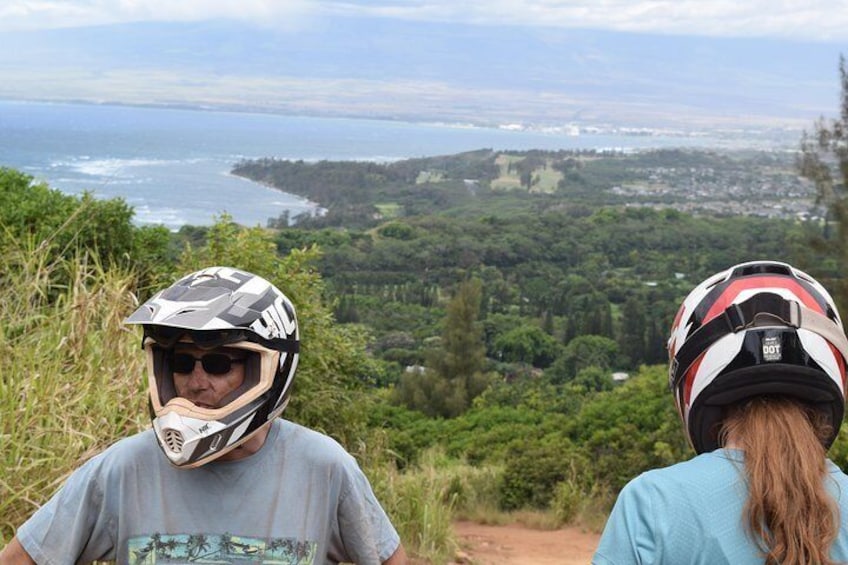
{"x": 576, "y": 257}
{"x": 485, "y": 331}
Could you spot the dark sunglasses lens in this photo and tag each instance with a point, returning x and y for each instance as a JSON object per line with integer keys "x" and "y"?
{"x": 213, "y": 363}
{"x": 182, "y": 363}
{"x": 216, "y": 363}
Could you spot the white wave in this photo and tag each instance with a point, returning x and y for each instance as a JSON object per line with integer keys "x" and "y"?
{"x": 375, "y": 159}
{"x": 357, "y": 159}
{"x": 169, "y": 217}
{"x": 293, "y": 205}
{"x": 114, "y": 167}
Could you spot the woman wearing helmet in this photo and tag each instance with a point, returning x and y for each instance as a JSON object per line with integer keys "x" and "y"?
{"x": 236, "y": 482}
{"x": 758, "y": 372}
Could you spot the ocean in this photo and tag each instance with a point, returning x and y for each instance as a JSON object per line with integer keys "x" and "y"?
{"x": 173, "y": 165}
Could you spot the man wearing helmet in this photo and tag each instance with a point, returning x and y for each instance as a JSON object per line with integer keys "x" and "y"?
{"x": 222, "y": 348}
{"x": 758, "y": 372}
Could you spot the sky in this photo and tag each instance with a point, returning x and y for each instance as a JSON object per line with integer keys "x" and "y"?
{"x": 816, "y": 20}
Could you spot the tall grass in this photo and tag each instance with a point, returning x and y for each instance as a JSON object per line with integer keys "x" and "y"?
{"x": 421, "y": 504}
{"x": 70, "y": 373}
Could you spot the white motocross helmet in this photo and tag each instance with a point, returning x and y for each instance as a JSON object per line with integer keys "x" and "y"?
{"x": 211, "y": 308}
{"x": 758, "y": 328}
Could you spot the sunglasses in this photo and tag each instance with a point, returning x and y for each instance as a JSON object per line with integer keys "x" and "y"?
{"x": 213, "y": 363}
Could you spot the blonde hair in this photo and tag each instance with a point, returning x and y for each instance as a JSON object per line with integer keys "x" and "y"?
{"x": 789, "y": 512}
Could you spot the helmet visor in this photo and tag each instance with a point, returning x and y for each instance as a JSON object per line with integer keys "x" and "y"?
{"x": 169, "y": 336}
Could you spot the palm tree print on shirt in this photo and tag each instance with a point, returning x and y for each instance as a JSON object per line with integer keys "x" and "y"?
{"x": 219, "y": 548}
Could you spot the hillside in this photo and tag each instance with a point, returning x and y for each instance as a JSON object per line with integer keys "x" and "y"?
{"x": 486, "y": 181}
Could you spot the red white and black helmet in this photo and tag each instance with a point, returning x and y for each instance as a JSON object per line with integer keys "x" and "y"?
{"x": 758, "y": 328}
{"x": 211, "y": 308}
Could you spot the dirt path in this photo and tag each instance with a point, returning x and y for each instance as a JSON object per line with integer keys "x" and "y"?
{"x": 518, "y": 545}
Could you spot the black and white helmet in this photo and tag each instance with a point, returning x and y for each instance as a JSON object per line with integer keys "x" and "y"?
{"x": 211, "y": 308}
{"x": 758, "y": 328}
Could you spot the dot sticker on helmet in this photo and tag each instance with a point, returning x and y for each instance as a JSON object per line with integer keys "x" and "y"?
{"x": 772, "y": 349}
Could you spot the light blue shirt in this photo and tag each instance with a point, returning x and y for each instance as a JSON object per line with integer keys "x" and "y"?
{"x": 692, "y": 513}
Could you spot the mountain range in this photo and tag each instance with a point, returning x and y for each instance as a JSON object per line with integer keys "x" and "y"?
{"x": 419, "y": 71}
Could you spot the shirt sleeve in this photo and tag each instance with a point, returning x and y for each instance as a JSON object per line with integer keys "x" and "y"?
{"x": 366, "y": 533}
{"x": 74, "y": 525}
{"x": 629, "y": 536}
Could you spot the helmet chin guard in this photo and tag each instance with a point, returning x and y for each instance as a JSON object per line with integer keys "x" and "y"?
{"x": 213, "y": 309}
{"x": 757, "y": 329}
{"x": 181, "y": 436}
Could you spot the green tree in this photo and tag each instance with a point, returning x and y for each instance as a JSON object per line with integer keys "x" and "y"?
{"x": 593, "y": 378}
{"x": 630, "y": 429}
{"x": 580, "y": 353}
{"x": 454, "y": 374}
{"x": 824, "y": 160}
{"x": 527, "y": 344}
{"x": 80, "y": 228}
{"x": 633, "y": 325}
{"x": 68, "y": 225}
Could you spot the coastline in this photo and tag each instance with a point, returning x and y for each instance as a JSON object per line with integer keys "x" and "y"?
{"x": 314, "y": 208}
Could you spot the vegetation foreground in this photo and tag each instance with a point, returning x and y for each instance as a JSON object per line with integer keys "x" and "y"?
{"x": 464, "y": 358}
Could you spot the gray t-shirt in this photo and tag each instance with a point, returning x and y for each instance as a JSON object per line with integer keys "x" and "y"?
{"x": 300, "y": 499}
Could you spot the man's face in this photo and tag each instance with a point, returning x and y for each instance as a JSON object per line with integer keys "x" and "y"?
{"x": 206, "y": 382}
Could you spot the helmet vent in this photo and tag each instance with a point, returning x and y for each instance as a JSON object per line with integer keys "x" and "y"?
{"x": 761, "y": 269}
{"x": 173, "y": 440}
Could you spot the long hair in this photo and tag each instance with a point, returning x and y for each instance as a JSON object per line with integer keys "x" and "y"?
{"x": 789, "y": 512}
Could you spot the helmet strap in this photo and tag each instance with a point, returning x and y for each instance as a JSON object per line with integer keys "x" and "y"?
{"x": 764, "y": 309}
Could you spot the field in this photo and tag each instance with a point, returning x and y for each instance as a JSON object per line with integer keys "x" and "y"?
{"x": 543, "y": 179}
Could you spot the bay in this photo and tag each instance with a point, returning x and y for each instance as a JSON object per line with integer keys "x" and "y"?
{"x": 173, "y": 165}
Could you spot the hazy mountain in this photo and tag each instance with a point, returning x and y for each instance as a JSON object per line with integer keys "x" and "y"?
{"x": 416, "y": 70}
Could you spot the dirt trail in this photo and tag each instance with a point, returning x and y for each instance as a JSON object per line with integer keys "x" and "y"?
{"x": 518, "y": 545}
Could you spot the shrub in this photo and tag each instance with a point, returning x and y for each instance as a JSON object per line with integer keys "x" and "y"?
{"x": 532, "y": 473}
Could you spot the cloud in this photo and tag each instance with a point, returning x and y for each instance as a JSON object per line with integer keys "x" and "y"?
{"x": 45, "y": 14}
{"x": 819, "y": 20}
{"x": 824, "y": 20}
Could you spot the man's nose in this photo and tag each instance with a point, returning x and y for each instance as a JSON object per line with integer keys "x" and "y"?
{"x": 198, "y": 378}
